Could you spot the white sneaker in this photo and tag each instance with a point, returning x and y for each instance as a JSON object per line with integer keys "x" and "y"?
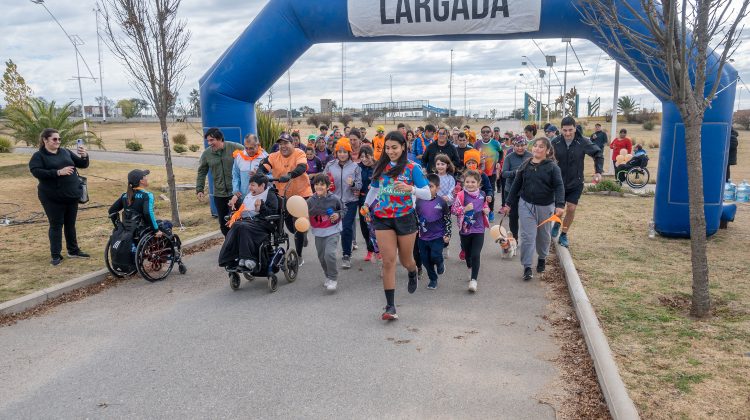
{"x": 326, "y": 283}
{"x": 346, "y": 262}
{"x": 473, "y": 285}
{"x": 354, "y": 245}
{"x": 301, "y": 262}
{"x": 445, "y": 253}
{"x": 331, "y": 285}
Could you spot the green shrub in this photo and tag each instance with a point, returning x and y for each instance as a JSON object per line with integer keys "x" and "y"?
{"x": 605, "y": 185}
{"x": 179, "y": 138}
{"x": 25, "y": 124}
{"x": 268, "y": 128}
{"x": 6, "y": 145}
{"x": 134, "y": 145}
{"x": 194, "y": 147}
{"x": 179, "y": 148}
{"x": 648, "y": 125}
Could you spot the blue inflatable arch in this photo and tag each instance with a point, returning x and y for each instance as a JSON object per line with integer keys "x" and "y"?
{"x": 285, "y": 29}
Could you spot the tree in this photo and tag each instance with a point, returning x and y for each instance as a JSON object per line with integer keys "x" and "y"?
{"x": 313, "y": 120}
{"x": 14, "y": 86}
{"x": 306, "y": 110}
{"x": 627, "y": 106}
{"x": 108, "y": 103}
{"x": 673, "y": 62}
{"x": 26, "y": 123}
{"x": 151, "y": 43}
{"x": 127, "y": 107}
{"x": 493, "y": 113}
{"x": 368, "y": 118}
{"x": 742, "y": 118}
{"x": 195, "y": 103}
{"x": 454, "y": 121}
{"x": 345, "y": 119}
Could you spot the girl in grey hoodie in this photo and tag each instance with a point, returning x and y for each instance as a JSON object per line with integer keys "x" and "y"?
{"x": 346, "y": 181}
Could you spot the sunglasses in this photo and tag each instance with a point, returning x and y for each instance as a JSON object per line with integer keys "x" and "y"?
{"x": 486, "y": 132}
{"x": 54, "y": 139}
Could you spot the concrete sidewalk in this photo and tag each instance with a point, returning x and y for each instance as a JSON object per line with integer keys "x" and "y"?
{"x": 191, "y": 347}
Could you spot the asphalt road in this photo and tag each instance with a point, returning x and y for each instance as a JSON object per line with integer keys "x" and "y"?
{"x": 190, "y": 347}
{"x": 129, "y": 157}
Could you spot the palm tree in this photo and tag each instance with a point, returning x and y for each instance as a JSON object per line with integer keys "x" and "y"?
{"x": 627, "y": 105}
{"x": 27, "y": 123}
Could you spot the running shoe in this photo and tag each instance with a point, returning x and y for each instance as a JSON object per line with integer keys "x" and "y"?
{"x": 540, "y": 265}
{"x": 462, "y": 255}
{"x": 56, "y": 260}
{"x": 491, "y": 217}
{"x": 441, "y": 268}
{"x": 380, "y": 257}
{"x": 346, "y": 262}
{"x": 331, "y": 287}
{"x": 563, "y": 241}
{"x": 413, "y": 280}
{"x": 555, "y": 229}
{"x": 432, "y": 285}
{"x": 389, "y": 314}
{"x": 473, "y": 285}
{"x": 78, "y": 254}
{"x": 368, "y": 257}
{"x": 527, "y": 275}
{"x": 354, "y": 245}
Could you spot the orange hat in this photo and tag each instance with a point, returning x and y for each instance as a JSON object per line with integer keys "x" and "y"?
{"x": 344, "y": 143}
{"x": 472, "y": 154}
{"x": 472, "y": 135}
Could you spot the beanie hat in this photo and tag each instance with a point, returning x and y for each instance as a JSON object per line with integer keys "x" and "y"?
{"x": 472, "y": 154}
{"x": 519, "y": 140}
{"x": 343, "y": 143}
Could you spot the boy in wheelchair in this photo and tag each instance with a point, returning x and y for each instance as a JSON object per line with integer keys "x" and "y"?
{"x": 250, "y": 226}
{"x": 639, "y": 160}
{"x": 139, "y": 221}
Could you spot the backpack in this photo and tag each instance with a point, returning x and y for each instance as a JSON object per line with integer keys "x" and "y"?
{"x": 122, "y": 243}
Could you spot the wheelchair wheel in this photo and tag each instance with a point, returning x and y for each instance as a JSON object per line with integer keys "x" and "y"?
{"x": 248, "y": 276}
{"x": 155, "y": 257}
{"x": 118, "y": 274}
{"x": 637, "y": 177}
{"x": 273, "y": 283}
{"x": 234, "y": 281}
{"x": 181, "y": 268}
{"x": 291, "y": 266}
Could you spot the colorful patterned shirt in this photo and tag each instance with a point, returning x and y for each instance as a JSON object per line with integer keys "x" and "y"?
{"x": 492, "y": 153}
{"x": 392, "y": 203}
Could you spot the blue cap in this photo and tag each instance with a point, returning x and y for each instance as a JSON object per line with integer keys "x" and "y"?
{"x": 551, "y": 128}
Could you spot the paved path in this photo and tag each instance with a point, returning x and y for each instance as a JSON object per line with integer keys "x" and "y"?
{"x": 190, "y": 347}
{"x": 130, "y": 157}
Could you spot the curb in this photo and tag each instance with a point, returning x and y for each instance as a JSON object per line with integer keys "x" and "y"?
{"x": 25, "y": 302}
{"x": 613, "y": 388}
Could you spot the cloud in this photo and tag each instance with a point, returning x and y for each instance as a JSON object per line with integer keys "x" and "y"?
{"x": 489, "y": 70}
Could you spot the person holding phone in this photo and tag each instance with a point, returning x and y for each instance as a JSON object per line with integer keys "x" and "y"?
{"x": 59, "y": 190}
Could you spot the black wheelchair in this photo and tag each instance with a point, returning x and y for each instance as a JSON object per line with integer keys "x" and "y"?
{"x": 274, "y": 254}
{"x": 634, "y": 172}
{"x": 151, "y": 256}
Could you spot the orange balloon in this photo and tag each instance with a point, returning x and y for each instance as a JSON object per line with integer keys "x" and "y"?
{"x": 302, "y": 224}
{"x": 297, "y": 206}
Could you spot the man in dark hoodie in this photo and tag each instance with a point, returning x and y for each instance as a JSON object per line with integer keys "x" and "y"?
{"x": 571, "y": 149}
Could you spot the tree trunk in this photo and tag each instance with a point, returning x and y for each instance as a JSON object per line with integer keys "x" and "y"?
{"x": 701, "y": 305}
{"x": 170, "y": 172}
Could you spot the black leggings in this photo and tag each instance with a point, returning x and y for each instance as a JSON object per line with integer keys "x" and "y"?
{"x": 513, "y": 220}
{"x": 222, "y": 210}
{"x": 365, "y": 231}
{"x": 472, "y": 246}
{"x": 61, "y": 214}
{"x": 493, "y": 180}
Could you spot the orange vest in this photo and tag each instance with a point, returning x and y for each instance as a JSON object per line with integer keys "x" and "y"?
{"x": 378, "y": 144}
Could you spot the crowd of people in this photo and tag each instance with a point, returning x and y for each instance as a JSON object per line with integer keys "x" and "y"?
{"x": 410, "y": 187}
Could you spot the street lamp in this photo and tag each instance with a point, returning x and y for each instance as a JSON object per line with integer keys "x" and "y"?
{"x": 76, "y": 41}
{"x": 551, "y": 59}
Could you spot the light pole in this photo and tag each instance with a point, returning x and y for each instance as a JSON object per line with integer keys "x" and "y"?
{"x": 102, "y": 103}
{"x": 551, "y": 59}
{"x": 614, "y": 108}
{"x": 450, "y": 89}
{"x": 565, "y": 77}
{"x": 76, "y": 41}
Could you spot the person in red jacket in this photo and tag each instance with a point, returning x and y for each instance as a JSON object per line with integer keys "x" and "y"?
{"x": 622, "y": 142}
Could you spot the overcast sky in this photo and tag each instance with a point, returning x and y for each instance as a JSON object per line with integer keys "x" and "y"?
{"x": 489, "y": 69}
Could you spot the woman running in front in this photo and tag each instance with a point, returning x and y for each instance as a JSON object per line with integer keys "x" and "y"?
{"x": 395, "y": 182}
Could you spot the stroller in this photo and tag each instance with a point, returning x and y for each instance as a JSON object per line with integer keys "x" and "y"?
{"x": 274, "y": 253}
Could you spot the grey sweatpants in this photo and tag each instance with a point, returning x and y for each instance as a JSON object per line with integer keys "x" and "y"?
{"x": 327, "y": 247}
{"x": 529, "y": 217}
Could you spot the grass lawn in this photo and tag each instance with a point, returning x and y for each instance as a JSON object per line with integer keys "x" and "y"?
{"x": 25, "y": 247}
{"x": 674, "y": 366}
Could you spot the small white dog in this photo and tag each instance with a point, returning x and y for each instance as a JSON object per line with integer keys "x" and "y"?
{"x": 508, "y": 244}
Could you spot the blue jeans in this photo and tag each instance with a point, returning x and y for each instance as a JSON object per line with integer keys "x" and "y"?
{"x": 348, "y": 227}
{"x": 431, "y": 256}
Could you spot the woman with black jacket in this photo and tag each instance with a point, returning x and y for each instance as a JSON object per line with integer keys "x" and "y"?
{"x": 539, "y": 190}
{"x": 59, "y": 191}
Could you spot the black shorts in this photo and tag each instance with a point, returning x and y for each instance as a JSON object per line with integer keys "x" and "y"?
{"x": 572, "y": 195}
{"x": 404, "y": 225}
